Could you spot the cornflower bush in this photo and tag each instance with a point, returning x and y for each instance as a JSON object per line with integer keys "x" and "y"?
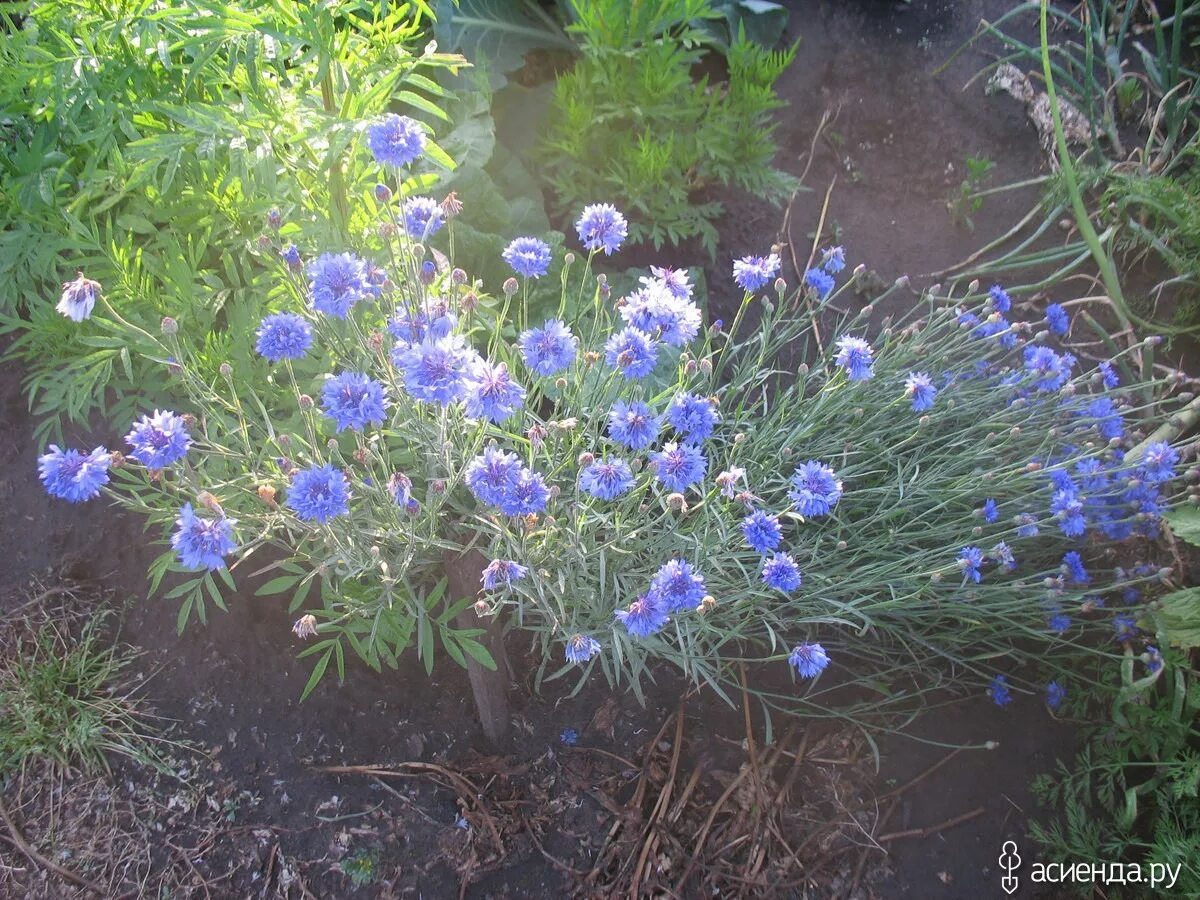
{"x": 925, "y": 502}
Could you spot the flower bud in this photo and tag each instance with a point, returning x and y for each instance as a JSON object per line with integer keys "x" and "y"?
{"x": 266, "y": 493}
{"x": 437, "y": 486}
{"x": 331, "y": 443}
{"x": 383, "y": 193}
{"x": 1153, "y": 340}
{"x": 306, "y": 402}
{"x": 690, "y": 367}
{"x": 936, "y": 577}
{"x": 555, "y": 490}
{"x": 780, "y": 285}
{"x": 924, "y": 420}
{"x": 707, "y": 604}
{"x": 274, "y": 219}
{"x": 225, "y": 369}
{"x": 482, "y": 608}
{"x": 636, "y": 464}
{"x": 677, "y": 502}
{"x": 169, "y": 325}
{"x": 842, "y": 545}
{"x": 510, "y": 286}
{"x": 386, "y": 230}
{"x": 739, "y": 437}
{"x": 361, "y": 455}
{"x": 264, "y": 242}
{"x": 706, "y": 366}
{"x": 973, "y": 287}
{"x": 586, "y": 459}
{"x": 859, "y": 271}
{"x": 560, "y": 383}
{"x": 458, "y": 276}
{"x": 569, "y": 258}
{"x": 786, "y": 453}
{"x": 902, "y": 282}
{"x": 305, "y": 627}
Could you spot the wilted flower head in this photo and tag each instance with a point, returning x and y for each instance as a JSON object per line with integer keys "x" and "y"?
{"x": 729, "y": 480}
{"x": 395, "y": 140}
{"x": 1055, "y": 695}
{"x": 809, "y": 660}
{"x": 580, "y": 648}
{"x": 159, "y": 440}
{"x": 548, "y": 349}
{"x": 528, "y": 256}
{"x": 601, "y": 227}
{"x": 833, "y": 259}
{"x": 319, "y": 494}
{"x": 78, "y": 298}
{"x": 283, "y": 336}
{"x": 305, "y": 627}
{"x": 74, "y": 476}
{"x": 502, "y": 572}
{"x": 291, "y": 256}
{"x": 753, "y": 272}
{"x": 202, "y": 543}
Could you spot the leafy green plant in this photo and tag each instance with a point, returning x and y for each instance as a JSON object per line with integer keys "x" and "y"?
{"x": 631, "y": 123}
{"x": 968, "y": 201}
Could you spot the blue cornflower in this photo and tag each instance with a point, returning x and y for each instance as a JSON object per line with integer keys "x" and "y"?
{"x": 998, "y": 691}
{"x": 527, "y": 494}
{"x": 678, "y": 585}
{"x": 202, "y": 543}
{"x": 679, "y": 465}
{"x": 646, "y": 615}
{"x": 833, "y": 259}
{"x": 816, "y": 489}
{"x": 502, "y": 572}
{"x": 1027, "y": 526}
{"x": 159, "y": 440}
{"x": 1092, "y": 475}
{"x": 656, "y": 311}
{"x": 1109, "y": 421}
{"x": 1003, "y": 555}
{"x": 1074, "y": 566}
{"x": 491, "y": 392}
{"x": 854, "y": 356}
{"x": 548, "y": 349}
{"x": 78, "y": 298}
{"x": 1131, "y": 595}
{"x": 968, "y": 319}
{"x": 492, "y": 475}
{"x": 1068, "y": 509}
{"x": 569, "y": 736}
{"x": 606, "y": 478}
{"x": 753, "y": 272}
{"x": 809, "y": 660}
{"x": 1158, "y": 462}
{"x": 353, "y": 400}
{"x": 996, "y": 324}
{"x": 1057, "y": 319}
{"x": 1153, "y": 659}
{"x": 921, "y": 389}
{"x": 395, "y": 140}
{"x": 437, "y": 370}
{"x": 319, "y": 493}
{"x": 632, "y": 353}
{"x": 337, "y": 282}
{"x": 990, "y": 510}
{"x": 601, "y": 227}
{"x": 820, "y": 281}
{"x": 528, "y": 256}
{"x": 781, "y": 572}
{"x": 969, "y": 560}
{"x": 1124, "y": 628}
{"x": 633, "y": 425}
{"x": 1109, "y": 374}
{"x": 762, "y": 531}
{"x": 580, "y": 648}
{"x": 411, "y": 326}
{"x": 422, "y": 217}
{"x": 291, "y": 257}
{"x": 1062, "y": 481}
{"x": 692, "y": 416}
{"x": 1001, "y": 302}
{"x": 1055, "y": 695}
{"x": 1059, "y": 622}
{"x": 675, "y": 281}
{"x": 1051, "y": 369}
{"x": 283, "y": 336}
{"x": 74, "y": 476}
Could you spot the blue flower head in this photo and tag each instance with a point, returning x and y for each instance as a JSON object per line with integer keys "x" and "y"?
{"x": 678, "y": 585}
{"x": 1124, "y": 628}
{"x": 78, "y": 298}
{"x": 679, "y": 465}
{"x": 969, "y": 560}
{"x": 74, "y": 476}
{"x": 159, "y": 440}
{"x": 1109, "y": 374}
{"x": 291, "y": 257}
{"x": 283, "y": 336}
{"x": 1057, "y": 319}
{"x": 675, "y": 281}
{"x": 337, "y": 282}
{"x": 1158, "y": 462}
{"x": 762, "y": 531}
{"x": 502, "y": 572}
{"x": 920, "y": 388}
{"x": 526, "y": 495}
{"x": 998, "y": 691}
{"x": 809, "y": 660}
{"x": 395, "y": 140}
{"x": 1073, "y": 565}
{"x": 820, "y": 281}
{"x": 1058, "y": 622}
{"x": 601, "y": 227}
{"x": 1027, "y": 526}
{"x": 656, "y": 311}
{"x": 437, "y": 370}
{"x": 1001, "y": 302}
{"x": 411, "y": 326}
{"x": 606, "y": 478}
{"x": 833, "y": 259}
{"x": 353, "y": 400}
{"x": 1068, "y": 509}
{"x": 1003, "y": 555}
{"x": 645, "y": 615}
{"x": 1055, "y": 695}
{"x": 492, "y": 475}
{"x": 692, "y": 416}
{"x": 319, "y": 494}
{"x": 491, "y": 392}
{"x": 1109, "y": 422}
{"x": 781, "y": 572}
{"x": 548, "y": 349}
{"x": 854, "y": 356}
{"x": 632, "y": 353}
{"x": 994, "y": 325}
{"x": 202, "y": 543}
{"x": 751, "y": 273}
{"x": 422, "y": 217}
{"x": 633, "y": 425}
{"x": 1051, "y": 370}
{"x": 816, "y": 489}
{"x": 580, "y": 648}
{"x": 990, "y": 510}
{"x": 528, "y": 256}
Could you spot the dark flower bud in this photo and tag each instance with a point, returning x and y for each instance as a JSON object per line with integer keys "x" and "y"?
{"x": 274, "y": 219}
{"x": 383, "y": 193}
{"x": 169, "y": 325}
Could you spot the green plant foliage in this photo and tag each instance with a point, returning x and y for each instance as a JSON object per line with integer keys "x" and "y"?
{"x": 150, "y": 141}
{"x": 497, "y": 35}
{"x": 631, "y": 123}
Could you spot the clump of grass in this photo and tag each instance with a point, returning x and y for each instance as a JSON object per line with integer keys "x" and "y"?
{"x": 62, "y": 701}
